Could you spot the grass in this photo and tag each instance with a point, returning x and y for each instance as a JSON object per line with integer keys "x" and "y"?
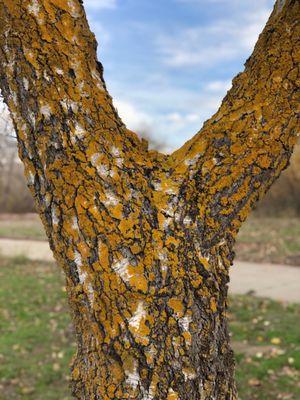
{"x": 269, "y": 239}
{"x": 36, "y": 340}
{"x": 21, "y": 226}
{"x": 266, "y": 338}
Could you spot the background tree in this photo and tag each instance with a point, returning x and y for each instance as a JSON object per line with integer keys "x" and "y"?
{"x": 145, "y": 239}
{"x": 14, "y": 194}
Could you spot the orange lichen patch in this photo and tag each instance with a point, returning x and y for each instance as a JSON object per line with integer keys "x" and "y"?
{"x": 177, "y": 306}
{"x": 172, "y": 395}
{"x": 205, "y": 262}
{"x": 62, "y": 4}
{"x": 126, "y": 226}
{"x": 75, "y": 374}
{"x": 264, "y": 161}
{"x": 136, "y": 278}
{"x": 213, "y": 304}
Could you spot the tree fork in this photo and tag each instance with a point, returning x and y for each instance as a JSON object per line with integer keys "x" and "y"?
{"x": 145, "y": 239}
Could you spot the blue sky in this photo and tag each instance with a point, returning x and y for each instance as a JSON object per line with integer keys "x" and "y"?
{"x": 169, "y": 63}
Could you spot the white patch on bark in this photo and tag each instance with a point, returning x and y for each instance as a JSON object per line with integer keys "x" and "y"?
{"x": 169, "y": 211}
{"x": 111, "y": 201}
{"x": 137, "y": 317}
{"x": 95, "y": 75}
{"x": 75, "y": 224}
{"x": 94, "y": 159}
{"x": 67, "y": 103}
{"x": 83, "y": 277}
{"x": 34, "y": 8}
{"x": 133, "y": 377}
{"x": 73, "y": 9}
{"x": 79, "y": 131}
{"x": 115, "y": 151}
{"x": 121, "y": 268}
{"x": 102, "y": 169}
{"x": 280, "y": 5}
{"x": 54, "y": 215}
{"x": 167, "y": 222}
{"x": 187, "y": 220}
{"x": 30, "y": 179}
{"x": 164, "y": 268}
{"x": 170, "y": 191}
{"x": 222, "y": 242}
{"x": 119, "y": 162}
{"x": 189, "y": 375}
{"x": 157, "y": 186}
{"x": 184, "y": 323}
{"x": 192, "y": 161}
{"x": 91, "y": 293}
{"x": 47, "y": 77}
{"x": 82, "y": 92}
{"x": 26, "y": 84}
{"x": 59, "y": 71}
{"x": 78, "y": 261}
{"x": 46, "y": 111}
{"x": 163, "y": 258}
{"x": 14, "y": 99}
{"x": 148, "y": 395}
{"x": 23, "y": 129}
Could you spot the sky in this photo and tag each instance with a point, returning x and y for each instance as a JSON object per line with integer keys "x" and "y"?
{"x": 169, "y": 63}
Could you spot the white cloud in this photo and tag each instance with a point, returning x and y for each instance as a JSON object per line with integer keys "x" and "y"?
{"x": 182, "y": 119}
{"x": 218, "y": 86}
{"x": 209, "y": 45}
{"x": 100, "y": 4}
{"x": 134, "y": 118}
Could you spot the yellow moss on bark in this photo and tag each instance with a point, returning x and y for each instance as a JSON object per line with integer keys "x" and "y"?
{"x": 145, "y": 239}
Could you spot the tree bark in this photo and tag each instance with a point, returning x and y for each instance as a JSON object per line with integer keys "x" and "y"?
{"x": 145, "y": 240}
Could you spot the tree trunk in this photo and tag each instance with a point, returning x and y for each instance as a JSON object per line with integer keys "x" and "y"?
{"x": 145, "y": 239}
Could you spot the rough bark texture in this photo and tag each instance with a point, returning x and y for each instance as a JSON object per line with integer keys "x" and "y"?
{"x": 145, "y": 239}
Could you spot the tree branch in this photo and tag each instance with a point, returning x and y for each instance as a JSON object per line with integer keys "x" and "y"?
{"x": 69, "y": 132}
{"x": 243, "y": 148}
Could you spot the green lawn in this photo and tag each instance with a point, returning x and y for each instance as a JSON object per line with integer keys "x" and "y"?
{"x": 21, "y": 226}
{"x": 37, "y": 343}
{"x": 275, "y": 240}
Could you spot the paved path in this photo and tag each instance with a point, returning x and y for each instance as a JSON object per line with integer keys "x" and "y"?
{"x": 32, "y": 249}
{"x": 278, "y": 282}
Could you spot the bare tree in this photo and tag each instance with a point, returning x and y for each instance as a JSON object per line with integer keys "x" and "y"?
{"x": 145, "y": 239}
{"x": 14, "y": 194}
{"x": 8, "y": 152}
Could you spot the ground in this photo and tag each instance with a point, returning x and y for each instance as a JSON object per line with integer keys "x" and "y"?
{"x": 261, "y": 239}
{"x": 37, "y": 341}
{"x": 270, "y": 239}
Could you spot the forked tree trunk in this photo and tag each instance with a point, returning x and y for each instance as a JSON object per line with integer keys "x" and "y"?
{"x": 145, "y": 239}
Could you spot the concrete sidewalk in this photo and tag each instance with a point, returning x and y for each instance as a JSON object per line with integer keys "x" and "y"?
{"x": 278, "y": 282}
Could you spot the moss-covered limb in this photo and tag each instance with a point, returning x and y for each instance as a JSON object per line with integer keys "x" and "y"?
{"x": 79, "y": 158}
{"x": 243, "y": 148}
{"x": 53, "y": 85}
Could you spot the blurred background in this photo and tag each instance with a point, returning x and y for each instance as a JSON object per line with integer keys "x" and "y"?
{"x": 167, "y": 64}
